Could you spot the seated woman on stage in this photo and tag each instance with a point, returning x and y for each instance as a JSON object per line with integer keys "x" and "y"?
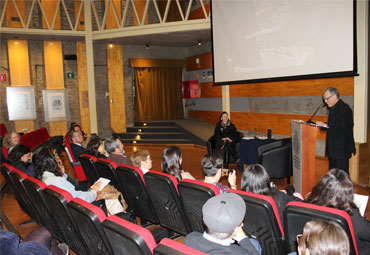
{"x": 323, "y": 238}
{"x": 171, "y": 163}
{"x": 255, "y": 179}
{"x": 226, "y": 136}
{"x": 96, "y": 148}
{"x": 49, "y": 169}
{"x": 20, "y": 157}
{"x": 335, "y": 190}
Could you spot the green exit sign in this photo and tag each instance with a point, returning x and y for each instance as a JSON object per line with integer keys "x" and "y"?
{"x": 70, "y": 75}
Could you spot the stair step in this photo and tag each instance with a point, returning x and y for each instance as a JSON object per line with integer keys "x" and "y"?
{"x": 154, "y": 129}
{"x": 152, "y": 136}
{"x": 160, "y": 123}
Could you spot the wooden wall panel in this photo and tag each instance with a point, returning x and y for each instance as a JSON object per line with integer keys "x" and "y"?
{"x": 77, "y": 4}
{"x": 111, "y": 18}
{"x": 82, "y": 87}
{"x": 312, "y": 87}
{"x": 278, "y": 123}
{"x": 12, "y": 13}
{"x": 50, "y": 7}
{"x": 116, "y": 88}
{"x": 205, "y": 62}
{"x": 198, "y": 13}
{"x": 208, "y": 90}
{"x": 19, "y": 71}
{"x": 53, "y": 61}
{"x": 19, "y": 67}
{"x": 140, "y": 7}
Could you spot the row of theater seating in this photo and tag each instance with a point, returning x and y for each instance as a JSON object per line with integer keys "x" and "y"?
{"x": 32, "y": 139}
{"x": 160, "y": 199}
{"x": 35, "y": 138}
{"x": 83, "y": 226}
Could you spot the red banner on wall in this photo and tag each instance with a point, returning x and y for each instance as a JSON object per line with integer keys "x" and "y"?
{"x": 191, "y": 89}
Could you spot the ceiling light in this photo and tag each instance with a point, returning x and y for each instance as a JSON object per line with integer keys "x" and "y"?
{"x": 199, "y": 43}
{"x": 147, "y": 46}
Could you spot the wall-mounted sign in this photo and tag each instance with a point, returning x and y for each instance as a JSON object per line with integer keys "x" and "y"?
{"x": 70, "y": 75}
{"x": 2, "y": 77}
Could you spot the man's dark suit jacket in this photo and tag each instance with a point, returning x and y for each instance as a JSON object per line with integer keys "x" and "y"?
{"x": 120, "y": 159}
{"x": 339, "y": 138}
{"x": 77, "y": 150}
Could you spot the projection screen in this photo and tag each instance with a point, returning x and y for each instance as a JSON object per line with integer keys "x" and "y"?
{"x": 267, "y": 40}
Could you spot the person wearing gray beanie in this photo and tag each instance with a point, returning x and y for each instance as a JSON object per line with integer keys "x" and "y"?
{"x": 223, "y": 217}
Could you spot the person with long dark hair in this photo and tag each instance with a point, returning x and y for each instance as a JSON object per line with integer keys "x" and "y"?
{"x": 49, "y": 169}
{"x": 171, "y": 163}
{"x": 255, "y": 179}
{"x": 96, "y": 148}
{"x": 20, "y": 157}
{"x": 335, "y": 190}
{"x": 226, "y": 136}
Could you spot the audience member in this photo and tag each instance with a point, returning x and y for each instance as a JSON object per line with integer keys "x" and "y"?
{"x": 141, "y": 159}
{"x": 11, "y": 139}
{"x": 171, "y": 163}
{"x": 323, "y": 238}
{"x": 96, "y": 148}
{"x": 335, "y": 190}
{"x": 76, "y": 144}
{"x": 49, "y": 169}
{"x": 75, "y": 127}
{"x": 223, "y": 217}
{"x": 38, "y": 242}
{"x": 20, "y": 157}
{"x": 212, "y": 169}
{"x": 114, "y": 147}
{"x": 255, "y": 179}
{"x": 226, "y": 137}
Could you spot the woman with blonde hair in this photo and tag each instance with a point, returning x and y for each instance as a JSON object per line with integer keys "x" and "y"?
{"x": 323, "y": 238}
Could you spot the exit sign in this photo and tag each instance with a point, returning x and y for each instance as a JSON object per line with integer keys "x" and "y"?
{"x": 70, "y": 75}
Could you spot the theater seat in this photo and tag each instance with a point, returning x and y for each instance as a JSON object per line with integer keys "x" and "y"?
{"x": 88, "y": 165}
{"x": 58, "y": 199}
{"x": 162, "y": 190}
{"x": 34, "y": 188}
{"x": 262, "y": 220}
{"x": 128, "y": 238}
{"x": 296, "y": 215}
{"x": 89, "y": 218}
{"x": 194, "y": 194}
{"x": 171, "y": 247}
{"x": 132, "y": 181}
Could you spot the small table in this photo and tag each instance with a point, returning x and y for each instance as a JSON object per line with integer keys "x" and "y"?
{"x": 248, "y": 151}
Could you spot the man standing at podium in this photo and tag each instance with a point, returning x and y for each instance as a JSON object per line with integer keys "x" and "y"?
{"x": 339, "y": 138}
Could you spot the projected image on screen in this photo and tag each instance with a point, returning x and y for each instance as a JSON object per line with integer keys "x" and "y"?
{"x": 271, "y": 40}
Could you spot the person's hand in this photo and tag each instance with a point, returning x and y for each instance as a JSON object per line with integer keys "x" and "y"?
{"x": 232, "y": 179}
{"x": 96, "y": 186}
{"x": 239, "y": 234}
{"x": 321, "y": 124}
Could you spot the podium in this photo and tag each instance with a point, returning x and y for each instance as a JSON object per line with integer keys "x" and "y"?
{"x": 303, "y": 152}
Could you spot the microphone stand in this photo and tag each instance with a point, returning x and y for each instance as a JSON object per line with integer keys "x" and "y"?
{"x": 309, "y": 121}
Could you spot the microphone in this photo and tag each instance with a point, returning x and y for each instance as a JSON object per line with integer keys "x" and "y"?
{"x": 314, "y": 113}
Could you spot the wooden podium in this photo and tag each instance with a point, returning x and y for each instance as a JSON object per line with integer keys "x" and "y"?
{"x": 303, "y": 151}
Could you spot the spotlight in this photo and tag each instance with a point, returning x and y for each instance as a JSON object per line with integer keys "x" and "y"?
{"x": 111, "y": 45}
{"x": 199, "y": 43}
{"x": 147, "y": 46}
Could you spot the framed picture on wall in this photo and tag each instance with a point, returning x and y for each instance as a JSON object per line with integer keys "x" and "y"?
{"x": 56, "y": 107}
{"x": 21, "y": 103}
